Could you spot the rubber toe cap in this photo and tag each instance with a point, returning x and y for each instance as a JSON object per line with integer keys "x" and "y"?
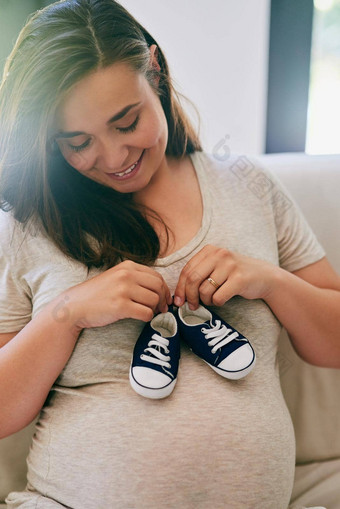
{"x": 150, "y": 378}
{"x": 239, "y": 359}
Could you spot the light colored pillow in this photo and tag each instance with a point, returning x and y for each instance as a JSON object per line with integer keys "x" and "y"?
{"x": 13, "y": 452}
{"x": 312, "y": 397}
{"x": 312, "y": 393}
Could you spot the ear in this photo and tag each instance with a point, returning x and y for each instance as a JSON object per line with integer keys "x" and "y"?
{"x": 154, "y": 57}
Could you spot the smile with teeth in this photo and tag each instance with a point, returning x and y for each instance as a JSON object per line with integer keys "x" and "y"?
{"x": 129, "y": 170}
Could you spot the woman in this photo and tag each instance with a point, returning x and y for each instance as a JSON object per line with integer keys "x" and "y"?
{"x": 92, "y": 247}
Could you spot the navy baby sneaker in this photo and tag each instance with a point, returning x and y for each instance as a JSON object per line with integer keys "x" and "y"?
{"x": 221, "y": 346}
{"x": 154, "y": 366}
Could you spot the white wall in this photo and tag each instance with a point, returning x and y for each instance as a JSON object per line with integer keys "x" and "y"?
{"x": 217, "y": 52}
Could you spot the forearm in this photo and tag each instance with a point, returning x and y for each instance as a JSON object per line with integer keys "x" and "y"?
{"x": 311, "y": 316}
{"x": 30, "y": 363}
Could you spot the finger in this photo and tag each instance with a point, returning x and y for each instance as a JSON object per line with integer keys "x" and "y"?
{"x": 155, "y": 283}
{"x": 146, "y": 297}
{"x": 193, "y": 267}
{"x": 139, "y": 312}
{"x": 224, "y": 268}
{"x": 212, "y": 263}
{"x": 186, "y": 275}
{"x": 226, "y": 291}
{"x": 209, "y": 287}
{"x": 145, "y": 268}
{"x": 168, "y": 295}
{"x": 192, "y": 280}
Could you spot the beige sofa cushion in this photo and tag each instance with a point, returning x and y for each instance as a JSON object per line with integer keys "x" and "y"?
{"x": 13, "y": 452}
{"x": 312, "y": 396}
{"x": 312, "y": 393}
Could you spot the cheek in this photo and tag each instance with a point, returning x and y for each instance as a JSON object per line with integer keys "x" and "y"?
{"x": 153, "y": 129}
{"x": 79, "y": 161}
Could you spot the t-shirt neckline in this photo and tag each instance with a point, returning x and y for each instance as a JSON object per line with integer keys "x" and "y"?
{"x": 198, "y": 164}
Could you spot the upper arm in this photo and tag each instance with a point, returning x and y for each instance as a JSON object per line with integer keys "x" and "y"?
{"x": 320, "y": 274}
{"x": 5, "y": 337}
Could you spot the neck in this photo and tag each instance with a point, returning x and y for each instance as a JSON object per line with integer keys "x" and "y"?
{"x": 161, "y": 183}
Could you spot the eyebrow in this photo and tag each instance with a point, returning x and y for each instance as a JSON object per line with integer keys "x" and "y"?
{"x": 117, "y": 116}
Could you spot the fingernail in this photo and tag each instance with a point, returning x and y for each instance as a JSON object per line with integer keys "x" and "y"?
{"x": 192, "y": 307}
{"x": 178, "y": 301}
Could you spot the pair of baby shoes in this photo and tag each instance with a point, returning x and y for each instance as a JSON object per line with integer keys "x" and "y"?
{"x": 155, "y": 360}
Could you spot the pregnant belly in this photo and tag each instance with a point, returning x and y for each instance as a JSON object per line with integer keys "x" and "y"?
{"x": 214, "y": 443}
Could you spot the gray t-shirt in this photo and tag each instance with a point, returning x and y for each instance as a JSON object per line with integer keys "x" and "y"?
{"x": 214, "y": 442}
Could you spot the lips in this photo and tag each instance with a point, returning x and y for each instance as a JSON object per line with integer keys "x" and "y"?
{"x": 130, "y": 171}
{"x": 123, "y": 171}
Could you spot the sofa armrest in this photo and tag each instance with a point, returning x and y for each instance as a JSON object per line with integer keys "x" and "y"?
{"x": 312, "y": 393}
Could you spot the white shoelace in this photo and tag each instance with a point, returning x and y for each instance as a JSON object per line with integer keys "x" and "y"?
{"x": 157, "y": 357}
{"x": 220, "y": 334}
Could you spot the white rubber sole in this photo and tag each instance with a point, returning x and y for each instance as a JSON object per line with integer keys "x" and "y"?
{"x": 151, "y": 393}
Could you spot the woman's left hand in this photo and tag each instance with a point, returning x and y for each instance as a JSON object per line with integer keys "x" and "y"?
{"x": 232, "y": 273}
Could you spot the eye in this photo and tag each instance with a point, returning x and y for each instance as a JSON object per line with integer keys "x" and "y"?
{"x": 79, "y": 148}
{"x": 130, "y": 128}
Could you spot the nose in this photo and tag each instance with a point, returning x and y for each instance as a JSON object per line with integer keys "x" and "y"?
{"x": 112, "y": 156}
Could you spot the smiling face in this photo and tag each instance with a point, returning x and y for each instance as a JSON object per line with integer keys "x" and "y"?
{"x": 108, "y": 121}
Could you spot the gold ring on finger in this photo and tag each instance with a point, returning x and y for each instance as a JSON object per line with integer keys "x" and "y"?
{"x": 213, "y": 282}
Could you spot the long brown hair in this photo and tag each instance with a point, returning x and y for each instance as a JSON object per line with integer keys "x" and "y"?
{"x": 58, "y": 46}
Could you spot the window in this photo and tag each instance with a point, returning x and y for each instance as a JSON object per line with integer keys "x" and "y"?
{"x": 303, "y": 108}
{"x": 288, "y": 74}
{"x": 323, "y": 120}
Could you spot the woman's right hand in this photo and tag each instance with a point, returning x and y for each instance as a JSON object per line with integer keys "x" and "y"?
{"x": 128, "y": 290}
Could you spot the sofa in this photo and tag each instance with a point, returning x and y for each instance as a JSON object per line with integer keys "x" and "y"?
{"x": 311, "y": 393}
